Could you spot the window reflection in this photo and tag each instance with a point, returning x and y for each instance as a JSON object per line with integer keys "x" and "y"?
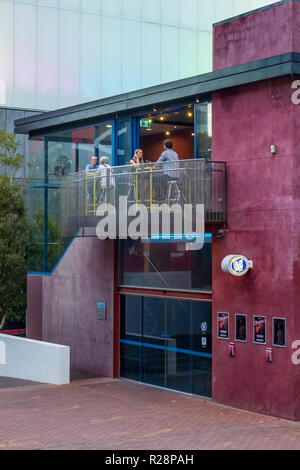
{"x": 167, "y": 343}
{"x": 103, "y": 141}
{"x": 203, "y": 130}
{"x": 166, "y": 265}
{"x": 123, "y": 143}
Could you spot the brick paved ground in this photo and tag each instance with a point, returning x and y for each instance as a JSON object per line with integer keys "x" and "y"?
{"x": 115, "y": 414}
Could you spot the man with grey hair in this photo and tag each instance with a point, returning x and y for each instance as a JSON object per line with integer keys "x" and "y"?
{"x": 107, "y": 180}
{"x": 93, "y": 166}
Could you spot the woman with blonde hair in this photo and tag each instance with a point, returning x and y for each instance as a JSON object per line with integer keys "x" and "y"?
{"x": 138, "y": 158}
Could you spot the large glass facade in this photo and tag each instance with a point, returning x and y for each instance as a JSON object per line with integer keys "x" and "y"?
{"x": 167, "y": 265}
{"x": 55, "y": 155}
{"x": 52, "y": 158}
{"x": 167, "y": 343}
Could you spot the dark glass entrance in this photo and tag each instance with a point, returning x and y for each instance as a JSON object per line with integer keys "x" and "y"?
{"x": 167, "y": 343}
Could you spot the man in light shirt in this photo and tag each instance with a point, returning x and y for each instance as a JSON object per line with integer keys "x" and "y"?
{"x": 170, "y": 166}
{"x": 169, "y": 155}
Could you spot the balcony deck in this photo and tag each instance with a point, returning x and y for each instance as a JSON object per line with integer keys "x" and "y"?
{"x": 186, "y": 182}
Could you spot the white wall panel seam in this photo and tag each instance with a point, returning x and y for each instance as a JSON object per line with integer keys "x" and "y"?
{"x": 58, "y": 58}
{"x": 100, "y": 58}
{"x": 122, "y": 55}
{"x": 160, "y": 43}
{"x": 198, "y": 41}
{"x": 80, "y": 54}
{"x": 36, "y": 55}
{"x": 14, "y": 56}
{"x": 108, "y": 15}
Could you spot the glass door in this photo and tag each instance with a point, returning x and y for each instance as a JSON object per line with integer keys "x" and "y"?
{"x": 167, "y": 343}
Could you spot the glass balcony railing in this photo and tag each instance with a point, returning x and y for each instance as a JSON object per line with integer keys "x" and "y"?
{"x": 186, "y": 182}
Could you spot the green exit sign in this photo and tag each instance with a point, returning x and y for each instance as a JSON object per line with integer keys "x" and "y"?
{"x": 145, "y": 123}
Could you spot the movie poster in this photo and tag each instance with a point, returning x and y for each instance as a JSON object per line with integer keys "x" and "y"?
{"x": 241, "y": 328}
{"x": 279, "y": 332}
{"x": 223, "y": 325}
{"x": 260, "y": 330}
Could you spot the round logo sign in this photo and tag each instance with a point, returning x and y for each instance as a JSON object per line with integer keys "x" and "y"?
{"x": 239, "y": 265}
{"x": 236, "y": 265}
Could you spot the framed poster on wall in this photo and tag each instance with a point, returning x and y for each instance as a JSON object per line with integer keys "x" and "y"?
{"x": 279, "y": 332}
{"x": 259, "y": 327}
{"x": 241, "y": 334}
{"x": 223, "y": 325}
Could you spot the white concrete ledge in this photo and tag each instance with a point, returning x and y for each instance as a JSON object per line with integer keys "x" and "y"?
{"x": 26, "y": 359}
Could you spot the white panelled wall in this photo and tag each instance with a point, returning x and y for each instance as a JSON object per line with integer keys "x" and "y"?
{"x": 56, "y": 53}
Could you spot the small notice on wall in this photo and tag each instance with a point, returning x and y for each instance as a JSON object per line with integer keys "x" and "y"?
{"x": 279, "y": 332}
{"x": 223, "y": 325}
{"x": 101, "y": 310}
{"x": 260, "y": 330}
{"x": 241, "y": 328}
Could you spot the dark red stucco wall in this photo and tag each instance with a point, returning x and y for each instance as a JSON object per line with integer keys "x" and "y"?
{"x": 263, "y": 215}
{"x": 267, "y": 33}
{"x": 68, "y": 302}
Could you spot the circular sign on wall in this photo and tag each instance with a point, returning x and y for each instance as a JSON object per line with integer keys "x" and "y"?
{"x": 236, "y": 265}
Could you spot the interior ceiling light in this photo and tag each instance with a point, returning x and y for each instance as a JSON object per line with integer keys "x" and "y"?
{"x": 168, "y": 133}
{"x": 190, "y": 114}
{"x": 162, "y": 118}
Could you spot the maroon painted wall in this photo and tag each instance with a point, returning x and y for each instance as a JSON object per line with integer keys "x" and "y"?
{"x": 269, "y": 32}
{"x": 263, "y": 224}
{"x": 183, "y": 144}
{"x": 84, "y": 277}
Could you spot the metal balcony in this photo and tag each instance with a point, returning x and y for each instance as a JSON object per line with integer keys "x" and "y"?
{"x": 190, "y": 182}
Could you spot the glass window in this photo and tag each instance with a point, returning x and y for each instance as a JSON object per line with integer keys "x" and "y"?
{"x": 61, "y": 155}
{"x": 52, "y": 158}
{"x": 203, "y": 130}
{"x": 165, "y": 265}
{"x": 84, "y": 147}
{"x": 123, "y": 143}
{"x": 71, "y": 151}
{"x": 103, "y": 141}
{"x": 36, "y": 164}
{"x": 35, "y": 201}
{"x": 131, "y": 327}
{"x": 167, "y": 343}
{"x": 46, "y": 244}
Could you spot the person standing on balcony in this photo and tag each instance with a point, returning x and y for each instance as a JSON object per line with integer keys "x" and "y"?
{"x": 169, "y": 158}
{"x": 138, "y": 158}
{"x": 93, "y": 165}
{"x": 170, "y": 166}
{"x": 107, "y": 181}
